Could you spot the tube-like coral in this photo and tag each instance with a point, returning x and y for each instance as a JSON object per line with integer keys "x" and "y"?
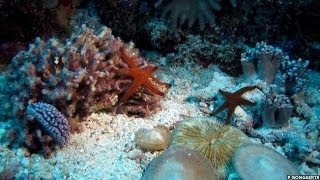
{"x": 261, "y": 62}
{"x": 277, "y": 111}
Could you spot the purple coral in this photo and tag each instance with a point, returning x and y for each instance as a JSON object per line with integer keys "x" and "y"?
{"x": 54, "y": 122}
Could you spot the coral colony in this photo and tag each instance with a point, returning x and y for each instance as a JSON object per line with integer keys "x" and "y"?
{"x": 163, "y": 89}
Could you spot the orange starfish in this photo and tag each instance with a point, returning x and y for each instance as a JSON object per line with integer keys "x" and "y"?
{"x": 232, "y": 100}
{"x": 141, "y": 76}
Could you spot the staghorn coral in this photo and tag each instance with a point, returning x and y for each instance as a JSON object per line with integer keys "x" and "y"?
{"x": 76, "y": 76}
{"x": 182, "y": 11}
{"x": 179, "y": 162}
{"x": 215, "y": 141}
{"x": 260, "y": 162}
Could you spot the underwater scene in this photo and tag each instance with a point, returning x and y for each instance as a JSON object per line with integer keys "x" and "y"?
{"x": 159, "y": 89}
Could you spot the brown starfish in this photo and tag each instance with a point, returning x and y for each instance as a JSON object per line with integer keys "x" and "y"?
{"x": 141, "y": 76}
{"x": 232, "y": 100}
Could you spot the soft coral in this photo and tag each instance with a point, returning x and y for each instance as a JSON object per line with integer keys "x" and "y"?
{"x": 182, "y": 11}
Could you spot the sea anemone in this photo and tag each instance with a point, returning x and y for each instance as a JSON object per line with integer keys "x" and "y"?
{"x": 154, "y": 139}
{"x": 254, "y": 161}
{"x": 210, "y": 138}
{"x": 179, "y": 163}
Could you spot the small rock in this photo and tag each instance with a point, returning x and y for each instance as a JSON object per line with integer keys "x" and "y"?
{"x": 135, "y": 154}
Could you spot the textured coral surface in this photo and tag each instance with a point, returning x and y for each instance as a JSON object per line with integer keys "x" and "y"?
{"x": 78, "y": 76}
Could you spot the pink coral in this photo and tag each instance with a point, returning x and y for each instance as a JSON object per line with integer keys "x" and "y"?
{"x": 77, "y": 76}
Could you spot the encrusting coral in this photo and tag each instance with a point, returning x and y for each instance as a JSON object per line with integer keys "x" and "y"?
{"x": 179, "y": 163}
{"x": 254, "y": 161}
{"x": 79, "y": 77}
{"x": 210, "y": 138}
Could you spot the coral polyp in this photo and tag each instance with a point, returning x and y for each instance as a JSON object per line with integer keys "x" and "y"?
{"x": 210, "y": 138}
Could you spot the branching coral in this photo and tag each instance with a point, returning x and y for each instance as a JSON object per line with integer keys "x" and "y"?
{"x": 77, "y": 76}
{"x": 188, "y": 11}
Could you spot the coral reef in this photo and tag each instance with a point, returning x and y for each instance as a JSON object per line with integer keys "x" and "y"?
{"x": 55, "y": 123}
{"x": 154, "y": 139}
{"x": 179, "y": 163}
{"x": 77, "y": 77}
{"x": 261, "y": 62}
{"x": 272, "y": 66}
{"x": 210, "y": 138}
{"x": 260, "y": 162}
{"x": 206, "y": 51}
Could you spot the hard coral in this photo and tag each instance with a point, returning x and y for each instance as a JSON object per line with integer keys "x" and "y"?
{"x": 260, "y": 162}
{"x": 179, "y": 163}
{"x": 215, "y": 141}
{"x": 76, "y": 76}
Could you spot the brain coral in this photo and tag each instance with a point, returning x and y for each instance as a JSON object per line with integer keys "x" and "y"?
{"x": 179, "y": 163}
{"x": 260, "y": 162}
{"x": 211, "y": 139}
{"x": 76, "y": 76}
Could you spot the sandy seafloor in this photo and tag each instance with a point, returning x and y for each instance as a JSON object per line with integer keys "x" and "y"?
{"x": 106, "y": 148}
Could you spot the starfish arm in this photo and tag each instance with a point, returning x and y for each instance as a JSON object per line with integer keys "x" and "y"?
{"x": 151, "y": 86}
{"x": 247, "y": 102}
{"x": 229, "y": 115}
{"x": 160, "y": 83}
{"x": 245, "y": 89}
{"x": 225, "y": 93}
{"x": 221, "y": 108}
{"x": 132, "y": 89}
